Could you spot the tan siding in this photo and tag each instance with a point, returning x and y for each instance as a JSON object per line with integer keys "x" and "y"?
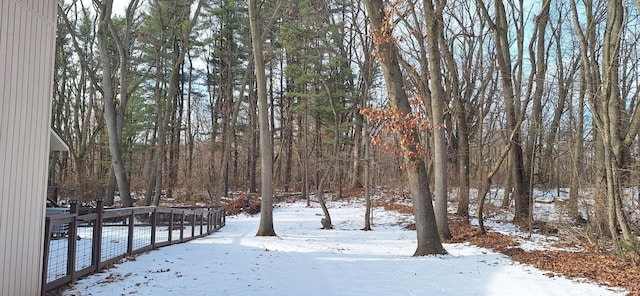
{"x": 44, "y": 8}
{"x": 27, "y": 36}
{"x": 4, "y": 106}
{"x": 5, "y": 136}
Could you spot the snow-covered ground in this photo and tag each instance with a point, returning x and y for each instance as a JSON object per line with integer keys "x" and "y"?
{"x": 305, "y": 260}
{"x": 114, "y": 244}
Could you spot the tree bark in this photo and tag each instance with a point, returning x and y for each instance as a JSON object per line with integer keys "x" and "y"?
{"x": 266, "y": 152}
{"x": 367, "y": 177}
{"x": 110, "y": 114}
{"x": 503, "y": 55}
{"x": 608, "y": 121}
{"x": 427, "y": 232}
{"x": 537, "y": 48}
{"x": 228, "y": 137}
{"x": 437, "y": 108}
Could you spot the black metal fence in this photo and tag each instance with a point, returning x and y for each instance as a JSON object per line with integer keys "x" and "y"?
{"x": 77, "y": 245}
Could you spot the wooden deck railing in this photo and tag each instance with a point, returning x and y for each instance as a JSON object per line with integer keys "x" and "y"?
{"x": 102, "y": 237}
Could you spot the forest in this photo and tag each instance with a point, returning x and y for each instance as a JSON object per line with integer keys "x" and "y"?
{"x": 198, "y": 101}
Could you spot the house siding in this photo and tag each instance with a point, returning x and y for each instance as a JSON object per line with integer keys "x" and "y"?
{"x": 27, "y": 50}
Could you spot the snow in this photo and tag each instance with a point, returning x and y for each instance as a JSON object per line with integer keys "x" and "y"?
{"x": 114, "y": 244}
{"x": 306, "y": 260}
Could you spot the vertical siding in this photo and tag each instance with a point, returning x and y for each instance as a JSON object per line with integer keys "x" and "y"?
{"x": 27, "y": 45}
{"x": 4, "y": 113}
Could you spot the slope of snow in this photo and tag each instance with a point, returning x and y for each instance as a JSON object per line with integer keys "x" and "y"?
{"x": 305, "y": 260}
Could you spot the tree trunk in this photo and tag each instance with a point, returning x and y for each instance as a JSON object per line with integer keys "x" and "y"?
{"x": 503, "y": 55}
{"x": 229, "y": 138}
{"x": 123, "y": 44}
{"x": 305, "y": 154}
{"x": 253, "y": 139}
{"x": 190, "y": 132}
{"x": 266, "y": 153}
{"x": 367, "y": 177}
{"x": 609, "y": 119}
{"x": 287, "y": 141}
{"x": 437, "y": 108}
{"x": 427, "y": 231}
{"x": 179, "y": 54}
{"x": 577, "y": 150}
{"x": 356, "y": 152}
{"x": 486, "y": 181}
{"x": 537, "y": 75}
{"x": 463, "y": 161}
{"x": 109, "y": 104}
{"x": 326, "y": 221}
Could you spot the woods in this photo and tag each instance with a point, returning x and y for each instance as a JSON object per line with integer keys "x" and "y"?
{"x": 195, "y": 102}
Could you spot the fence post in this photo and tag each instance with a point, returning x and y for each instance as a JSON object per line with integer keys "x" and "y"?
{"x": 72, "y": 234}
{"x": 96, "y": 255}
{"x": 182, "y": 225}
{"x": 74, "y": 206}
{"x": 45, "y": 257}
{"x": 202, "y": 222}
{"x": 170, "y": 234}
{"x": 130, "y": 236}
{"x": 193, "y": 224}
{"x": 208, "y": 220}
{"x": 153, "y": 227}
{"x": 217, "y": 218}
{"x": 221, "y": 217}
{"x": 214, "y": 216}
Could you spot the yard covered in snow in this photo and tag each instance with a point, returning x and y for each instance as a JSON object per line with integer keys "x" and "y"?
{"x": 306, "y": 260}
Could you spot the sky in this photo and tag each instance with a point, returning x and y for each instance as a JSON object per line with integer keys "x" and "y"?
{"x": 306, "y": 260}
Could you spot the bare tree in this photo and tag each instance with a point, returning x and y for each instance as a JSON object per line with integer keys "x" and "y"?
{"x": 427, "y": 231}
{"x": 607, "y": 115}
{"x": 127, "y": 84}
{"x": 500, "y": 28}
{"x": 614, "y": 131}
{"x": 266, "y": 153}
{"x": 434, "y": 33}
{"x": 110, "y": 114}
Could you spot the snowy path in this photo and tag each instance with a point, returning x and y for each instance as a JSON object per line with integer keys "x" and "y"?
{"x": 304, "y": 260}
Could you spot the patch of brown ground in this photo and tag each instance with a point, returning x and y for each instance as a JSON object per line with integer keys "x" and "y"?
{"x": 350, "y": 193}
{"x": 596, "y": 265}
{"x": 243, "y": 203}
{"x": 392, "y": 206}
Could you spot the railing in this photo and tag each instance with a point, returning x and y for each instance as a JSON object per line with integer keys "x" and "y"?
{"x": 92, "y": 241}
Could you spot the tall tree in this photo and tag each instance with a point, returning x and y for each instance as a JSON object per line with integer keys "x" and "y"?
{"x": 229, "y": 54}
{"x": 124, "y": 43}
{"x": 266, "y": 153}
{"x": 500, "y": 28}
{"x": 615, "y": 127}
{"x": 589, "y": 82}
{"x": 427, "y": 231}
{"x": 360, "y": 48}
{"x": 463, "y": 57}
{"x": 75, "y": 107}
{"x": 182, "y": 20}
{"x": 434, "y": 33}
{"x": 608, "y": 118}
{"x": 110, "y": 113}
